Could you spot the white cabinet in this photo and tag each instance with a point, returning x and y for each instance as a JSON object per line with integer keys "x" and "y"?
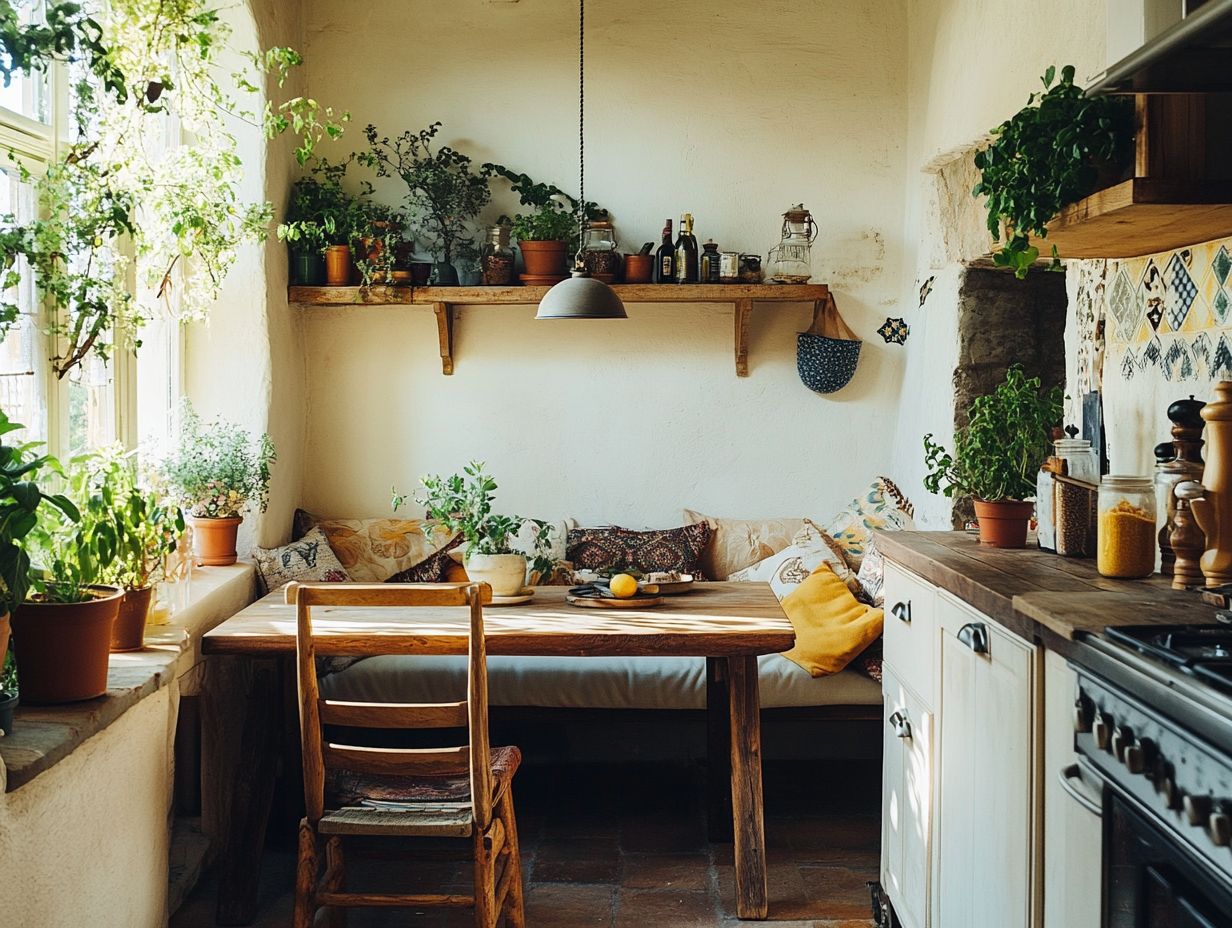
{"x": 906, "y": 813}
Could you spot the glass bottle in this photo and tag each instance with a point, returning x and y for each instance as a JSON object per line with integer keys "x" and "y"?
{"x": 496, "y": 259}
{"x": 665, "y": 257}
{"x": 709, "y": 270}
{"x": 790, "y": 261}
{"x": 686, "y": 252}
{"x": 1126, "y": 537}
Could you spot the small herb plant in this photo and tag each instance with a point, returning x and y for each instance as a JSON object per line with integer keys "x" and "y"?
{"x": 320, "y": 213}
{"x": 443, "y": 192}
{"x": 555, "y": 213}
{"x": 1048, "y": 155}
{"x": 462, "y": 503}
{"x": 218, "y": 469}
{"x": 998, "y": 453}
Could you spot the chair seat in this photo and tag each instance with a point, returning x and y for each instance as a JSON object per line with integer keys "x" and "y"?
{"x": 450, "y": 820}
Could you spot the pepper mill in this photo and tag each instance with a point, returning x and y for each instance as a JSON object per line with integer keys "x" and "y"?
{"x": 1213, "y": 509}
{"x": 1187, "y": 540}
{"x": 1177, "y": 460}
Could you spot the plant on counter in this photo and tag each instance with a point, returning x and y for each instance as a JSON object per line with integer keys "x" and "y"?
{"x": 462, "y": 504}
{"x": 217, "y": 472}
{"x": 1052, "y": 153}
{"x": 443, "y": 192}
{"x": 998, "y": 454}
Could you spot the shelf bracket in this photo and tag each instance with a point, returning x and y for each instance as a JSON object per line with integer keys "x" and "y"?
{"x": 444, "y": 331}
{"x": 744, "y": 315}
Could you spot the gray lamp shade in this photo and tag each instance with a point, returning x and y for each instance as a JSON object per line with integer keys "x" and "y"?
{"x": 581, "y": 297}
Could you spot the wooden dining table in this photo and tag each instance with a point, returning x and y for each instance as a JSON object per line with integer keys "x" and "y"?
{"x": 730, "y": 624}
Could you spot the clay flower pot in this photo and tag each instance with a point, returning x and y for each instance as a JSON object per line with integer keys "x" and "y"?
{"x": 214, "y": 540}
{"x": 638, "y": 268}
{"x": 1003, "y": 522}
{"x": 62, "y": 648}
{"x": 6, "y": 630}
{"x": 338, "y": 265}
{"x": 544, "y": 259}
{"x": 129, "y": 631}
{"x": 505, "y": 573}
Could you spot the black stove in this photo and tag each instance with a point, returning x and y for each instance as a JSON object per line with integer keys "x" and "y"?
{"x": 1202, "y": 650}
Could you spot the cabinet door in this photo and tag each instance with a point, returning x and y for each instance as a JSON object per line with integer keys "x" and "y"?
{"x": 906, "y": 802}
{"x": 985, "y": 825}
{"x": 893, "y": 803}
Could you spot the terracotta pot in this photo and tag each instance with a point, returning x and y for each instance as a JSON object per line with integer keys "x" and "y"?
{"x": 214, "y": 541}
{"x": 544, "y": 259}
{"x": 1003, "y": 522}
{"x": 338, "y": 265}
{"x": 638, "y": 268}
{"x": 129, "y": 631}
{"x": 62, "y": 647}
{"x": 505, "y": 573}
{"x": 6, "y": 629}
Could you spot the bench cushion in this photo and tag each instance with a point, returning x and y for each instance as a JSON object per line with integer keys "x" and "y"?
{"x": 588, "y": 682}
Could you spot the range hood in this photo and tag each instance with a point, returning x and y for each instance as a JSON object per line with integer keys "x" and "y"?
{"x": 1192, "y": 56}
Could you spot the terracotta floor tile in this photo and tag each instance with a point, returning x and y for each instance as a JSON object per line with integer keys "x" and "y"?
{"x": 639, "y": 909}
{"x": 843, "y": 891}
{"x": 680, "y": 873}
{"x": 563, "y": 906}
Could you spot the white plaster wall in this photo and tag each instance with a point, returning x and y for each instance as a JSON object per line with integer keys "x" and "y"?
{"x": 726, "y": 111}
{"x": 85, "y": 843}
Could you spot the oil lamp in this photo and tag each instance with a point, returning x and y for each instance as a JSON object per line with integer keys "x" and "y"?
{"x": 790, "y": 260}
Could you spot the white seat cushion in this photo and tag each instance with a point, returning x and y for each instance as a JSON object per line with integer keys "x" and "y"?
{"x": 588, "y": 682}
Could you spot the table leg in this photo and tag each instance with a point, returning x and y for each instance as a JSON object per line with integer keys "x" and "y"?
{"x": 252, "y": 792}
{"x": 748, "y": 812}
{"x": 718, "y": 753}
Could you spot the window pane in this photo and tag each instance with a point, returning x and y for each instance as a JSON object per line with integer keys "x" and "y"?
{"x": 158, "y": 384}
{"x": 91, "y": 405}
{"x": 23, "y": 352}
{"x": 27, "y": 94}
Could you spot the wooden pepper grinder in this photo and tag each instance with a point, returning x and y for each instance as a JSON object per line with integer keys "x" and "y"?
{"x": 1177, "y": 460}
{"x": 1187, "y": 540}
{"x": 1213, "y": 509}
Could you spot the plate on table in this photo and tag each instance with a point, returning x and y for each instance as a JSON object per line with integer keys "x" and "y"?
{"x": 602, "y": 602}
{"x": 526, "y": 595}
{"x": 682, "y": 583}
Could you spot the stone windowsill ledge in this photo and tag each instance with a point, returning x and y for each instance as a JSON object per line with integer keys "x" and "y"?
{"x": 44, "y": 735}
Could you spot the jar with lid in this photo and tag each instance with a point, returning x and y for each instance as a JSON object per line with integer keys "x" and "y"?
{"x": 1126, "y": 536}
{"x": 1071, "y": 457}
{"x": 496, "y": 259}
{"x": 709, "y": 273}
{"x": 599, "y": 251}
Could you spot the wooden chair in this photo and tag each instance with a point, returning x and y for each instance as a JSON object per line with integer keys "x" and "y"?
{"x": 352, "y": 791}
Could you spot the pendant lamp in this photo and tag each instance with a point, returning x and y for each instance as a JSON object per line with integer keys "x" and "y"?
{"x": 581, "y": 296}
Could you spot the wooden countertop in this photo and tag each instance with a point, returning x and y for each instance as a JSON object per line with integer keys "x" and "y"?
{"x": 1036, "y": 594}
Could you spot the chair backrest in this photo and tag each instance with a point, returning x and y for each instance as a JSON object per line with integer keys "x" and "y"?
{"x": 320, "y": 755}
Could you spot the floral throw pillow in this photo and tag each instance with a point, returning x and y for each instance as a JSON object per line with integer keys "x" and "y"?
{"x": 597, "y": 549}
{"x": 787, "y": 569}
{"x": 372, "y": 550}
{"x": 872, "y": 574}
{"x": 882, "y": 507}
{"x": 309, "y": 560}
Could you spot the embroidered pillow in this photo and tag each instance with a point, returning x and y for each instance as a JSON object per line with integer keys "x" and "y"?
{"x": 659, "y": 549}
{"x": 433, "y": 570}
{"x": 372, "y": 550}
{"x": 872, "y": 574}
{"x": 809, "y": 549}
{"x": 739, "y": 543}
{"x": 309, "y": 560}
{"x": 882, "y": 507}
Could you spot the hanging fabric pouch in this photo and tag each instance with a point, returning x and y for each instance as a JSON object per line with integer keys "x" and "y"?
{"x": 828, "y": 351}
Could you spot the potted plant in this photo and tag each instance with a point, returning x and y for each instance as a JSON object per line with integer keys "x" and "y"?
{"x": 379, "y": 230}
{"x": 106, "y": 488}
{"x": 997, "y": 456}
{"x": 22, "y": 502}
{"x": 547, "y": 234}
{"x": 322, "y": 215}
{"x": 215, "y": 473}
{"x": 462, "y": 504}
{"x": 1061, "y": 147}
{"x": 307, "y": 232}
{"x": 443, "y": 193}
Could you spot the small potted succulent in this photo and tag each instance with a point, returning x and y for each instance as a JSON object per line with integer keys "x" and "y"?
{"x": 462, "y": 504}
{"x": 997, "y": 456}
{"x": 216, "y": 472}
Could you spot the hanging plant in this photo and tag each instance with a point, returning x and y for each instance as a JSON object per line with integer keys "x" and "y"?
{"x": 117, "y": 195}
{"x": 1051, "y": 153}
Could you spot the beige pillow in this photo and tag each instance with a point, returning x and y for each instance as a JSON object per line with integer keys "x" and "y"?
{"x": 738, "y": 543}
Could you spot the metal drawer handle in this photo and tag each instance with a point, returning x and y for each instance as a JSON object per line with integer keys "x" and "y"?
{"x": 902, "y": 727}
{"x": 1073, "y": 783}
{"x": 975, "y": 636}
{"x": 902, "y": 612}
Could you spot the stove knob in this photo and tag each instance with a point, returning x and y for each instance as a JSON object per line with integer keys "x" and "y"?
{"x": 1167, "y": 788}
{"x": 1219, "y": 827}
{"x": 1101, "y": 728}
{"x": 1135, "y": 758}
{"x": 1196, "y": 809}
{"x": 1122, "y": 738}
{"x": 1082, "y": 716}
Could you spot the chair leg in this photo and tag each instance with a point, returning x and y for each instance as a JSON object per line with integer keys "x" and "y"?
{"x": 305, "y": 877}
{"x": 515, "y": 905}
{"x": 486, "y": 912}
{"x": 335, "y": 868}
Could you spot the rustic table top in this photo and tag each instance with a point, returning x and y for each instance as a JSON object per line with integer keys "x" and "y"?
{"x": 714, "y": 620}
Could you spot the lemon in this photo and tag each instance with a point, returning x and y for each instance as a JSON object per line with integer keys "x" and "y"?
{"x": 623, "y": 586}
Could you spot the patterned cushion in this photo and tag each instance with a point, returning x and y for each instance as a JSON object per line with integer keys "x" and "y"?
{"x": 882, "y": 507}
{"x": 372, "y": 550}
{"x": 872, "y": 574}
{"x": 433, "y": 570}
{"x": 786, "y": 570}
{"x": 739, "y": 543}
{"x": 344, "y": 788}
{"x": 309, "y": 560}
{"x": 662, "y": 549}
{"x": 302, "y": 523}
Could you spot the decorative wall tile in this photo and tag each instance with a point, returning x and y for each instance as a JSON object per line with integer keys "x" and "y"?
{"x": 1129, "y": 364}
{"x": 894, "y": 331}
{"x": 1200, "y": 347}
{"x": 1124, "y": 306}
{"x": 1181, "y": 291}
{"x": 1221, "y": 363}
{"x": 1177, "y": 362}
{"x": 1155, "y": 312}
{"x": 1152, "y": 353}
{"x": 1221, "y": 264}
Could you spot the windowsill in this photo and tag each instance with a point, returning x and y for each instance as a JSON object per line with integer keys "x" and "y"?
{"x": 44, "y": 735}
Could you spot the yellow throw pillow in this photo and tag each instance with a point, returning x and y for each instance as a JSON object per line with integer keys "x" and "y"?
{"x": 832, "y": 626}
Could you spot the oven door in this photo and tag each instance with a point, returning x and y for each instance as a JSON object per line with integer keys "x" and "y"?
{"x": 1149, "y": 879}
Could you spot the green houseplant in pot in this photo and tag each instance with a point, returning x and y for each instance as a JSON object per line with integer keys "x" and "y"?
{"x": 216, "y": 472}
{"x": 462, "y": 504}
{"x": 324, "y": 218}
{"x": 548, "y": 233}
{"x": 997, "y": 456}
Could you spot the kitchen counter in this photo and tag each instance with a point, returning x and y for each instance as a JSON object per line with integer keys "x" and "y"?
{"x": 1041, "y": 596}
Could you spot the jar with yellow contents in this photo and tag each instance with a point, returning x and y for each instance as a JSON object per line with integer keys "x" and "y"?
{"x": 1126, "y": 535}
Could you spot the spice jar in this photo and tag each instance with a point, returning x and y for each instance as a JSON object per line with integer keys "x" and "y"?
{"x": 1126, "y": 543}
{"x": 709, "y": 263}
{"x": 599, "y": 254}
{"x": 496, "y": 259}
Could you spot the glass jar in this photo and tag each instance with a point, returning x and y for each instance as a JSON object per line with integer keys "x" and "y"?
{"x": 496, "y": 259}
{"x": 791, "y": 259}
{"x": 1126, "y": 537}
{"x": 1079, "y": 457}
{"x": 599, "y": 251}
{"x": 709, "y": 272}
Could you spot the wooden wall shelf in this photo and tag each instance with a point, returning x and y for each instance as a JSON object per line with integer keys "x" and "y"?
{"x": 444, "y": 300}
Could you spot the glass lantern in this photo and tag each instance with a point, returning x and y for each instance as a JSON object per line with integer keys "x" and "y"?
{"x": 791, "y": 259}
